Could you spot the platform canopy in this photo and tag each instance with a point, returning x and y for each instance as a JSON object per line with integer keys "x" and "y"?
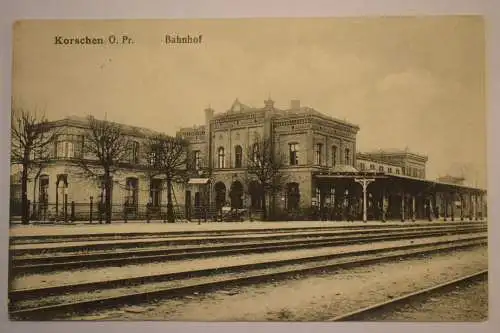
{"x": 199, "y": 181}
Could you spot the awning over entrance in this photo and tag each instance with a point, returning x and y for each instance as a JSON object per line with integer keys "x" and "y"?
{"x": 199, "y": 181}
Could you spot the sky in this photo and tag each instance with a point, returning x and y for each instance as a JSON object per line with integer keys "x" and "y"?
{"x": 406, "y": 82}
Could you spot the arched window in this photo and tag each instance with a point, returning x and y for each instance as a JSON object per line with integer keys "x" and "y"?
{"x": 221, "y": 158}
{"x": 238, "y": 157}
{"x": 334, "y": 156}
{"x": 347, "y": 158}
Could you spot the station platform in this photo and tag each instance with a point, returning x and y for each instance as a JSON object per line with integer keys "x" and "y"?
{"x": 19, "y": 230}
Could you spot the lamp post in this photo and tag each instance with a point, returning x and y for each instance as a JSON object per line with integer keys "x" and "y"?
{"x": 364, "y": 183}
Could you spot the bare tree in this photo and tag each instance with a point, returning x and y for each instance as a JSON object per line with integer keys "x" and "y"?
{"x": 31, "y": 140}
{"x": 105, "y": 147}
{"x": 266, "y": 166}
{"x": 169, "y": 157}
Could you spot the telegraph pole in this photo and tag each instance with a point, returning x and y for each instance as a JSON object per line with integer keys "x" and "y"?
{"x": 364, "y": 183}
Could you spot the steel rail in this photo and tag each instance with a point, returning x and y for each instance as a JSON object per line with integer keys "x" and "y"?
{"x": 49, "y": 264}
{"x": 198, "y": 241}
{"x": 388, "y": 306}
{"x": 21, "y": 294}
{"x": 18, "y": 240}
{"x": 65, "y": 309}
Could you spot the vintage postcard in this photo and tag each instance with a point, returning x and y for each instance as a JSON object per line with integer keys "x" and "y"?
{"x": 266, "y": 169}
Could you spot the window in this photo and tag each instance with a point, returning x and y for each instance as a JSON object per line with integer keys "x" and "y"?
{"x": 334, "y": 156}
{"x": 318, "y": 196}
{"x": 155, "y": 192}
{"x": 132, "y": 191}
{"x": 294, "y": 153}
{"x": 372, "y": 166}
{"x": 318, "y": 160}
{"x": 381, "y": 168}
{"x": 292, "y": 196}
{"x": 69, "y": 146}
{"x": 397, "y": 172}
{"x": 197, "y": 159}
{"x": 389, "y": 170}
{"x": 403, "y": 170}
{"x": 362, "y": 166}
{"x": 133, "y": 152}
{"x": 238, "y": 157}
{"x": 255, "y": 153}
{"x": 220, "y": 158}
{"x": 347, "y": 156}
{"x": 155, "y": 156}
{"x": 332, "y": 197}
{"x": 43, "y": 194}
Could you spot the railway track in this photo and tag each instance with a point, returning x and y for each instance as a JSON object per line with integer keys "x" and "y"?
{"x": 376, "y": 310}
{"x": 65, "y": 262}
{"x": 67, "y": 300}
{"x": 92, "y": 246}
{"x": 34, "y": 239}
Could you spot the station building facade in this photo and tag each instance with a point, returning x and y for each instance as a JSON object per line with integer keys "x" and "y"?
{"x": 323, "y": 169}
{"x": 324, "y": 172}
{"x": 61, "y": 190}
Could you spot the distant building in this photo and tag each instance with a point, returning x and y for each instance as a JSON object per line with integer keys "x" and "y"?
{"x": 451, "y": 180}
{"x": 402, "y": 162}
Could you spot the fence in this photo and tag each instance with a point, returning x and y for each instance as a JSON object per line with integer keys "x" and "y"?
{"x": 93, "y": 212}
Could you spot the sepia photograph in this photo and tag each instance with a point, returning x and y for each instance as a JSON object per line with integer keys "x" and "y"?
{"x": 324, "y": 169}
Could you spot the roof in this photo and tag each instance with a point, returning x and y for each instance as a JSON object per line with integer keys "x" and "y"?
{"x": 344, "y": 168}
{"x": 238, "y": 107}
{"x": 392, "y": 152}
{"x": 78, "y": 121}
{"x": 436, "y": 182}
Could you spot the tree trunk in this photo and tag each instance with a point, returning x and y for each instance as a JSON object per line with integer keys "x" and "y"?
{"x": 264, "y": 209}
{"x": 107, "y": 200}
{"x": 170, "y": 206}
{"x": 24, "y": 196}
{"x": 35, "y": 209}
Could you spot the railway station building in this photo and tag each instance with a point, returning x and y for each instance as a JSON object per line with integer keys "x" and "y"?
{"x": 326, "y": 177}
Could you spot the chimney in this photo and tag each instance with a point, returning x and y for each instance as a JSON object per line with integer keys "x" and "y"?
{"x": 209, "y": 114}
{"x": 207, "y": 159}
{"x": 269, "y": 103}
{"x": 295, "y": 104}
